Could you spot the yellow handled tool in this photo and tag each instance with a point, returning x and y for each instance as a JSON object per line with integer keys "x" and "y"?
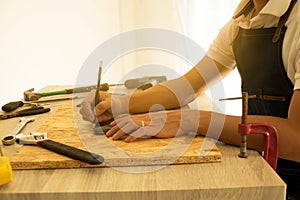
{"x": 5, "y": 169}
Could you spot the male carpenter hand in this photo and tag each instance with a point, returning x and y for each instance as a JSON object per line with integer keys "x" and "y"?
{"x": 102, "y": 111}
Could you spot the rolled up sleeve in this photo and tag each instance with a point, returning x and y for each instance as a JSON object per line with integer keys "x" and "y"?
{"x": 221, "y": 47}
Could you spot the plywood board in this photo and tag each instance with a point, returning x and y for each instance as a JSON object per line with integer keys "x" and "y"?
{"x": 66, "y": 126}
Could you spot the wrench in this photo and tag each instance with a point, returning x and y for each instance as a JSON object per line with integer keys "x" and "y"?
{"x": 11, "y": 138}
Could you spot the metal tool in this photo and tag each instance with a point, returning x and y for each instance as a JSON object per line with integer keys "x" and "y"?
{"x": 10, "y": 139}
{"x": 243, "y": 147}
{"x": 271, "y": 145}
{"x": 29, "y": 95}
{"x": 40, "y": 139}
{"x": 256, "y": 96}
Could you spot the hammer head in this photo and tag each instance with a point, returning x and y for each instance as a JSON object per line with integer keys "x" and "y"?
{"x": 29, "y": 95}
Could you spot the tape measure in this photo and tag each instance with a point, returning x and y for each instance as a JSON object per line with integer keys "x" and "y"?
{"x": 5, "y": 170}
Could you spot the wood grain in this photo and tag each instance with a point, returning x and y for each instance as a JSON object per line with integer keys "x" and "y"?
{"x": 234, "y": 178}
{"x": 67, "y": 127}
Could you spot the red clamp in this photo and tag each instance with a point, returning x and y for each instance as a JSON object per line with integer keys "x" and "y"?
{"x": 270, "y": 153}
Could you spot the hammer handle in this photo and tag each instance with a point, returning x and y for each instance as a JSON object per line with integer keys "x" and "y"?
{"x": 46, "y": 94}
{"x": 103, "y": 87}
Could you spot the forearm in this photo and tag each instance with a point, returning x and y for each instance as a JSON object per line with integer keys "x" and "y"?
{"x": 287, "y": 130}
{"x": 224, "y": 128}
{"x": 143, "y": 101}
{"x": 180, "y": 91}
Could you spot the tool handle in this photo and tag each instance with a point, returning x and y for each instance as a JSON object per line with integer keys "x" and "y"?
{"x": 46, "y": 94}
{"x": 134, "y": 83}
{"x": 32, "y": 111}
{"x": 103, "y": 87}
{"x": 81, "y": 89}
{"x": 71, "y": 152}
{"x": 12, "y": 106}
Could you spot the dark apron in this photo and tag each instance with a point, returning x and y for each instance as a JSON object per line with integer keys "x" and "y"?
{"x": 258, "y": 54}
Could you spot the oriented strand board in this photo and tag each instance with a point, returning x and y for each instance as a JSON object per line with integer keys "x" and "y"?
{"x": 66, "y": 126}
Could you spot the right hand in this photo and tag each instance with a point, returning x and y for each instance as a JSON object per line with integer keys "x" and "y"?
{"x": 102, "y": 111}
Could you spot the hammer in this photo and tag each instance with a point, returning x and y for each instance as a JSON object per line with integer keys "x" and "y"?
{"x": 29, "y": 95}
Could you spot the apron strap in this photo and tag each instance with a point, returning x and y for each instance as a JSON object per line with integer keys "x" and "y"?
{"x": 282, "y": 21}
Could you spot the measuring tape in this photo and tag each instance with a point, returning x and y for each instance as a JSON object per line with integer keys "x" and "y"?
{"x": 5, "y": 170}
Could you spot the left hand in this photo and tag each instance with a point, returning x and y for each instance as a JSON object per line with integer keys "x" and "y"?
{"x": 162, "y": 124}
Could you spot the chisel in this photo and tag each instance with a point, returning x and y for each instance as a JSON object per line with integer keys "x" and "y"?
{"x": 40, "y": 139}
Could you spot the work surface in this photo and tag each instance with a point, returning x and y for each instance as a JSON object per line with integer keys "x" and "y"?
{"x": 66, "y": 126}
{"x": 233, "y": 178}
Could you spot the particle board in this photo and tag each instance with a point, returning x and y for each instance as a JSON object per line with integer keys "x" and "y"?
{"x": 66, "y": 126}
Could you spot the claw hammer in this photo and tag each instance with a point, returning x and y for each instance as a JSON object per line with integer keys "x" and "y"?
{"x": 29, "y": 95}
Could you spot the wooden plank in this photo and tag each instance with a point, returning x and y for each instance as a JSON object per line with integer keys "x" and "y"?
{"x": 66, "y": 126}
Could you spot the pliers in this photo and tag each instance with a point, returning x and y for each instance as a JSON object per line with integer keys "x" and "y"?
{"x": 26, "y": 112}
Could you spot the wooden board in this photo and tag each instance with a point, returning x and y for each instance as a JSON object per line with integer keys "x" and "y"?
{"x": 66, "y": 126}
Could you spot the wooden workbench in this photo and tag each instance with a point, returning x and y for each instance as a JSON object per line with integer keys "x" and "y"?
{"x": 233, "y": 178}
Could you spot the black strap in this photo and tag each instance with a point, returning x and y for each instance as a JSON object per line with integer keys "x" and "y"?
{"x": 249, "y": 6}
{"x": 282, "y": 21}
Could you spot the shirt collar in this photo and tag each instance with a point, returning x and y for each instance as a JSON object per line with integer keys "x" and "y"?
{"x": 276, "y": 7}
{"x": 273, "y": 7}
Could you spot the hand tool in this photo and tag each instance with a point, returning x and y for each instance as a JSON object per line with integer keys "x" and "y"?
{"x": 29, "y": 95}
{"x": 97, "y": 95}
{"x": 100, "y": 128}
{"x": 5, "y": 170}
{"x": 271, "y": 145}
{"x": 11, "y": 106}
{"x": 264, "y": 97}
{"x": 147, "y": 81}
{"x": 10, "y": 139}
{"x": 236, "y": 98}
{"x": 243, "y": 147}
{"x": 26, "y": 112}
{"x": 40, "y": 139}
{"x": 147, "y": 85}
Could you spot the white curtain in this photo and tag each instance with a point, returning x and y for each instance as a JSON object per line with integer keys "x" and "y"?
{"x": 45, "y": 42}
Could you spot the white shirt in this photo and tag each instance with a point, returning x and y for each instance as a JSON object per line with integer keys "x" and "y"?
{"x": 221, "y": 48}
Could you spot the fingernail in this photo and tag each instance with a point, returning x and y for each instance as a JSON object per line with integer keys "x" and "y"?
{"x": 108, "y": 133}
{"x": 112, "y": 123}
{"x": 114, "y": 138}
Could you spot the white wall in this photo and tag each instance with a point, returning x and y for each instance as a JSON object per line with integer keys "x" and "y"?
{"x": 45, "y": 42}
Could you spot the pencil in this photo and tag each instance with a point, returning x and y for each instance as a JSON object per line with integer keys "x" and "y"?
{"x": 97, "y": 95}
